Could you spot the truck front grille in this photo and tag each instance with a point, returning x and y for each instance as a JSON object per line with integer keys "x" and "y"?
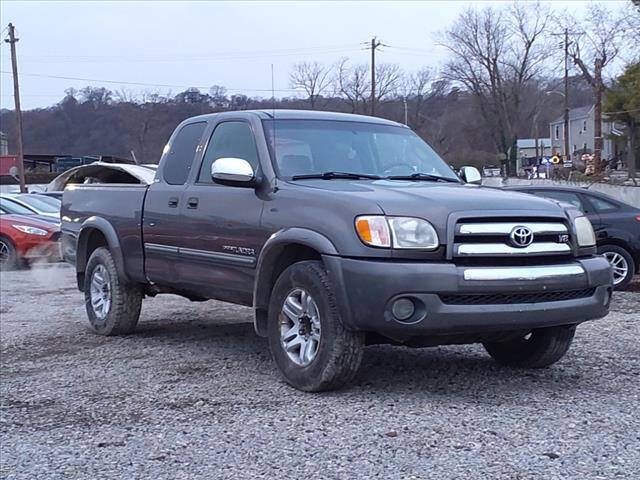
{"x": 511, "y": 298}
{"x": 511, "y": 237}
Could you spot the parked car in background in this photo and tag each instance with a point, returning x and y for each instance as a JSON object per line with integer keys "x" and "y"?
{"x": 9, "y": 206}
{"x": 46, "y": 206}
{"x": 617, "y": 225}
{"x": 24, "y": 239}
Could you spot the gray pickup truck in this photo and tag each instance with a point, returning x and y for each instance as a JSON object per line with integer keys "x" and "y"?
{"x": 340, "y": 231}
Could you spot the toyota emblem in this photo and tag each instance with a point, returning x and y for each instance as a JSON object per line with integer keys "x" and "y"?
{"x": 521, "y": 236}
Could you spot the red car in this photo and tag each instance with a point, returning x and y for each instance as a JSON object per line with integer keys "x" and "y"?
{"x": 24, "y": 239}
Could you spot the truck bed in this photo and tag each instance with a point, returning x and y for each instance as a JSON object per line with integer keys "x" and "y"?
{"x": 117, "y": 205}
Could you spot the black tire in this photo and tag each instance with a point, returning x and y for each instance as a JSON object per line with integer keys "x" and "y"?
{"x": 9, "y": 256}
{"x": 126, "y": 299}
{"x": 543, "y": 347}
{"x": 339, "y": 350}
{"x": 614, "y": 250}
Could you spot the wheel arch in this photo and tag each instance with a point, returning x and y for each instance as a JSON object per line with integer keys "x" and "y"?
{"x": 282, "y": 249}
{"x": 97, "y": 232}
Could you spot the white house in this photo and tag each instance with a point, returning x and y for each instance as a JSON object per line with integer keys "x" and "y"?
{"x": 581, "y": 123}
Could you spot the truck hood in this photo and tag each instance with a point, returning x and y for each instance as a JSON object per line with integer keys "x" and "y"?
{"x": 411, "y": 198}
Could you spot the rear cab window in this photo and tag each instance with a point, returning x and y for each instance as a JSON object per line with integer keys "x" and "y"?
{"x": 182, "y": 153}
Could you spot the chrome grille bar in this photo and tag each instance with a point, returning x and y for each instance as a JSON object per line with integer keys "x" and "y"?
{"x": 504, "y": 228}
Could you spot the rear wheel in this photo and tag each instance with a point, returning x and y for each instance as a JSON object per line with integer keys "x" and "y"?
{"x": 621, "y": 262}
{"x": 113, "y": 307}
{"x": 311, "y": 346}
{"x": 539, "y": 348}
{"x": 8, "y": 255}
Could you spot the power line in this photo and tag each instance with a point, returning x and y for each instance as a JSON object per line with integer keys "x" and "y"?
{"x": 220, "y": 56}
{"x": 142, "y": 84}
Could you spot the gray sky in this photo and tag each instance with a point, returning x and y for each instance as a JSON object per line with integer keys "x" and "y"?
{"x": 200, "y": 44}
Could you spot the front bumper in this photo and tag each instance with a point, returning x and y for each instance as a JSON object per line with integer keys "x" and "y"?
{"x": 366, "y": 290}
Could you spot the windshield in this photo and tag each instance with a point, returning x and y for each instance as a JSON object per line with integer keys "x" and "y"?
{"x": 12, "y": 207}
{"x": 38, "y": 204}
{"x": 305, "y": 147}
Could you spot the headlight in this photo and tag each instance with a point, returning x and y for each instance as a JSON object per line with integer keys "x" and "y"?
{"x": 406, "y": 232}
{"x": 584, "y": 232}
{"x": 30, "y": 230}
{"x": 410, "y": 232}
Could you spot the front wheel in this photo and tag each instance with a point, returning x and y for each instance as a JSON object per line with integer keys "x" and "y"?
{"x": 310, "y": 344}
{"x": 539, "y": 348}
{"x": 113, "y": 307}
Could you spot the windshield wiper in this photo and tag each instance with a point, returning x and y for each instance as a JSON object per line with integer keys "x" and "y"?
{"x": 422, "y": 176}
{"x": 330, "y": 175}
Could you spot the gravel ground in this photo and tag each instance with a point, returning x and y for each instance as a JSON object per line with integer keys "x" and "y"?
{"x": 194, "y": 394}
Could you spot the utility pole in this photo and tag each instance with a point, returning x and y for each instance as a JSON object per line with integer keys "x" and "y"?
{"x": 374, "y": 44}
{"x": 16, "y": 96}
{"x": 597, "y": 116}
{"x": 566, "y": 96}
{"x": 565, "y": 34}
{"x": 406, "y": 110}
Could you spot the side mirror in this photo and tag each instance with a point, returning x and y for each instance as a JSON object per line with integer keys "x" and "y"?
{"x": 230, "y": 170}
{"x": 471, "y": 175}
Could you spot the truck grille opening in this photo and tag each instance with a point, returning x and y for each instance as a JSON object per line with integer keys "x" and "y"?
{"x": 508, "y": 237}
{"x": 512, "y": 298}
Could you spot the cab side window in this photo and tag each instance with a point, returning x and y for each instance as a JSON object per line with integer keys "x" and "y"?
{"x": 229, "y": 139}
{"x": 183, "y": 151}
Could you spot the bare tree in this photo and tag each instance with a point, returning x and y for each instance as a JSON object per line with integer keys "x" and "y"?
{"x": 353, "y": 84}
{"x": 314, "y": 78}
{"x": 389, "y": 77}
{"x": 597, "y": 45}
{"x": 495, "y": 54}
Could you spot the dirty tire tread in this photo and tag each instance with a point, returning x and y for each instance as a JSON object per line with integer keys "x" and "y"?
{"x": 548, "y": 345}
{"x": 343, "y": 356}
{"x": 126, "y": 299}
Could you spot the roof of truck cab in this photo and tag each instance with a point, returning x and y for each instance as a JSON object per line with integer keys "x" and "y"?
{"x": 303, "y": 115}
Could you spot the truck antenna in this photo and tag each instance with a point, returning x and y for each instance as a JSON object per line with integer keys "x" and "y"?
{"x": 273, "y": 114}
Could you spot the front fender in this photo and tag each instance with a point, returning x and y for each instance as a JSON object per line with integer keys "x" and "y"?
{"x": 269, "y": 254}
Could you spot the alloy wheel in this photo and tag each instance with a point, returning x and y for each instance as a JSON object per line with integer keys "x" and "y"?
{"x": 100, "y": 292}
{"x": 619, "y": 265}
{"x": 300, "y": 327}
{"x": 4, "y": 253}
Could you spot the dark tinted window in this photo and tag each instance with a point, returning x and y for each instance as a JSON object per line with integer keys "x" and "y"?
{"x": 229, "y": 139}
{"x": 566, "y": 197}
{"x": 183, "y": 150}
{"x": 601, "y": 205}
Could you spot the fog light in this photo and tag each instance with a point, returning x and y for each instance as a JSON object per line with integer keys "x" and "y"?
{"x": 403, "y": 309}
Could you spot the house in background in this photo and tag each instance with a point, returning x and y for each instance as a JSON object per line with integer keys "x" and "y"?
{"x": 581, "y": 122}
{"x": 526, "y": 152}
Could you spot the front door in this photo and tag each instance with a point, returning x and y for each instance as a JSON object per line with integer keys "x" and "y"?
{"x": 162, "y": 226}
{"x": 221, "y": 233}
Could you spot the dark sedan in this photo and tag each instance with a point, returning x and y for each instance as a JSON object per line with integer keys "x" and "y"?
{"x": 617, "y": 225}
